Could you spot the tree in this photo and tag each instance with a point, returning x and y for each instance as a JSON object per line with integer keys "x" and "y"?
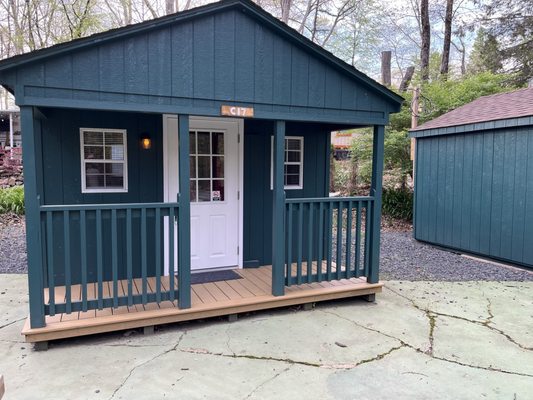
{"x": 426, "y": 39}
{"x": 511, "y": 23}
{"x": 485, "y": 55}
{"x": 445, "y": 62}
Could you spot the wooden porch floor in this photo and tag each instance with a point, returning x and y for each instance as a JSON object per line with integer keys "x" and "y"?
{"x": 252, "y": 292}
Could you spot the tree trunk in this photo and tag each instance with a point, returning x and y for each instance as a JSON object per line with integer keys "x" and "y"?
{"x": 445, "y": 61}
{"x": 407, "y": 78}
{"x": 386, "y": 68}
{"x": 285, "y": 10}
{"x": 426, "y": 38}
{"x": 169, "y": 9}
{"x": 332, "y": 170}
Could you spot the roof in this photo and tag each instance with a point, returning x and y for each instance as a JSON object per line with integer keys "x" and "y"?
{"x": 502, "y": 106}
{"x": 246, "y": 5}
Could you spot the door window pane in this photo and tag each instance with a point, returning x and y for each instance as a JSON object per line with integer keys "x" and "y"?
{"x": 193, "y": 166}
{"x": 192, "y": 143}
{"x": 204, "y": 190}
{"x": 193, "y": 190}
{"x": 218, "y": 167}
{"x": 218, "y": 190}
{"x": 203, "y": 142}
{"x": 204, "y": 167}
{"x": 217, "y": 143}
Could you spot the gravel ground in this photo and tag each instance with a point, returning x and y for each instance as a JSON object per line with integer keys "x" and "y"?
{"x": 12, "y": 246}
{"x": 402, "y": 258}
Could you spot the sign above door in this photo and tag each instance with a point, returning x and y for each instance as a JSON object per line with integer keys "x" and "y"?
{"x": 235, "y": 111}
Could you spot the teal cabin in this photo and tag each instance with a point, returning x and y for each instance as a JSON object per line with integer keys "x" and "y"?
{"x": 474, "y": 178}
{"x": 162, "y": 155}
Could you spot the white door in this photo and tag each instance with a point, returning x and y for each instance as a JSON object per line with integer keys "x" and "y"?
{"x": 216, "y": 206}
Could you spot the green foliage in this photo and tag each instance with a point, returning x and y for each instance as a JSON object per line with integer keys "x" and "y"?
{"x": 486, "y": 55}
{"x": 398, "y": 203}
{"x": 12, "y": 200}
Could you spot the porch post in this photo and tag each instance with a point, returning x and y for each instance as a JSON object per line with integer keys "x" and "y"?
{"x": 375, "y": 191}
{"x": 184, "y": 216}
{"x": 278, "y": 211}
{"x": 32, "y": 188}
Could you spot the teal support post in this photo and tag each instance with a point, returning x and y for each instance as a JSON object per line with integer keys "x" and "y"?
{"x": 278, "y": 211}
{"x": 375, "y": 191}
{"x": 32, "y": 189}
{"x": 184, "y": 216}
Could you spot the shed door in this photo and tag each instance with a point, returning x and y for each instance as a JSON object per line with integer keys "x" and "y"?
{"x": 214, "y": 189}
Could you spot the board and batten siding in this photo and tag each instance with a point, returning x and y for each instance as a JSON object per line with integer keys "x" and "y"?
{"x": 474, "y": 193}
{"x": 257, "y": 193}
{"x": 196, "y": 65}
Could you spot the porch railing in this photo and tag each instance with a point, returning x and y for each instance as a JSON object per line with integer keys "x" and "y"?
{"x": 106, "y": 255}
{"x": 327, "y": 239}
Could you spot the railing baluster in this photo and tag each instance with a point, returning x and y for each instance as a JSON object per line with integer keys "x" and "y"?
{"x": 300, "y": 243}
{"x": 339, "y": 241}
{"x": 368, "y": 219}
{"x": 348, "y": 274}
{"x": 320, "y": 241}
{"x": 289, "y": 245}
{"x": 129, "y": 256}
{"x": 68, "y": 278}
{"x": 83, "y": 248}
{"x": 329, "y": 230}
{"x": 114, "y": 261}
{"x": 158, "y": 254}
{"x": 99, "y": 258}
{"x": 143, "y": 257}
{"x": 310, "y": 243}
{"x": 171, "y": 253}
{"x": 358, "y": 241}
{"x": 50, "y": 262}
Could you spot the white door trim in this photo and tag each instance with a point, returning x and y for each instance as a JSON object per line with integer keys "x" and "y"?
{"x": 170, "y": 160}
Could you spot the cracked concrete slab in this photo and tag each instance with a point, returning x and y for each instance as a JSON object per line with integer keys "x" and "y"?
{"x": 438, "y": 340}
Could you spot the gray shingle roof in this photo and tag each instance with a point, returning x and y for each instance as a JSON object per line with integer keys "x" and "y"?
{"x": 487, "y": 108}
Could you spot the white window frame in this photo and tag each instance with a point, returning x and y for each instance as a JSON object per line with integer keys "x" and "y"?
{"x": 124, "y": 162}
{"x": 300, "y": 163}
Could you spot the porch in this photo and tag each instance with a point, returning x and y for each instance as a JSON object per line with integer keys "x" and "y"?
{"x": 251, "y": 292}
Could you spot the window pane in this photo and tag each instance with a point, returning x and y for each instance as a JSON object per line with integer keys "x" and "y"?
{"x": 193, "y": 166}
{"x": 204, "y": 190}
{"x": 193, "y": 190}
{"x": 114, "y": 169}
{"x": 203, "y": 143}
{"x": 192, "y": 142}
{"x": 218, "y": 143}
{"x": 292, "y": 169}
{"x": 96, "y": 138}
{"x": 292, "y": 180}
{"x": 93, "y": 152}
{"x": 115, "y": 152}
{"x": 114, "y": 181}
{"x": 218, "y": 189}
{"x": 94, "y": 168}
{"x": 293, "y": 156}
{"x": 204, "y": 167}
{"x": 293, "y": 144}
{"x": 218, "y": 167}
{"x": 112, "y": 138}
{"x": 94, "y": 181}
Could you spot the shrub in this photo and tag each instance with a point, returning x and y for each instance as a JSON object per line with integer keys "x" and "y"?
{"x": 12, "y": 200}
{"x": 398, "y": 203}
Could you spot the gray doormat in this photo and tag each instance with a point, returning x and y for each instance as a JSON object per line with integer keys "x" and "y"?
{"x": 214, "y": 276}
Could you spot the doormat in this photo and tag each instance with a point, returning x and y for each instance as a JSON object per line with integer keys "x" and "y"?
{"x": 214, "y": 276}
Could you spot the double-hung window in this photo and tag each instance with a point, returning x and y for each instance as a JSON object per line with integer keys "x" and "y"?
{"x": 293, "y": 166}
{"x": 104, "y": 165}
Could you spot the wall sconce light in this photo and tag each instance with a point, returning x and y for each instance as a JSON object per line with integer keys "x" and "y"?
{"x": 146, "y": 142}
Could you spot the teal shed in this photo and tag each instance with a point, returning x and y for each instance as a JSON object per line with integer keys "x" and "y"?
{"x": 178, "y": 169}
{"x": 474, "y": 178}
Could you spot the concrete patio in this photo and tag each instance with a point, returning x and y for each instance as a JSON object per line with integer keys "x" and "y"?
{"x": 438, "y": 340}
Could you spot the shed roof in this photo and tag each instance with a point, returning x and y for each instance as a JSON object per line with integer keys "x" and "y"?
{"x": 502, "y": 106}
